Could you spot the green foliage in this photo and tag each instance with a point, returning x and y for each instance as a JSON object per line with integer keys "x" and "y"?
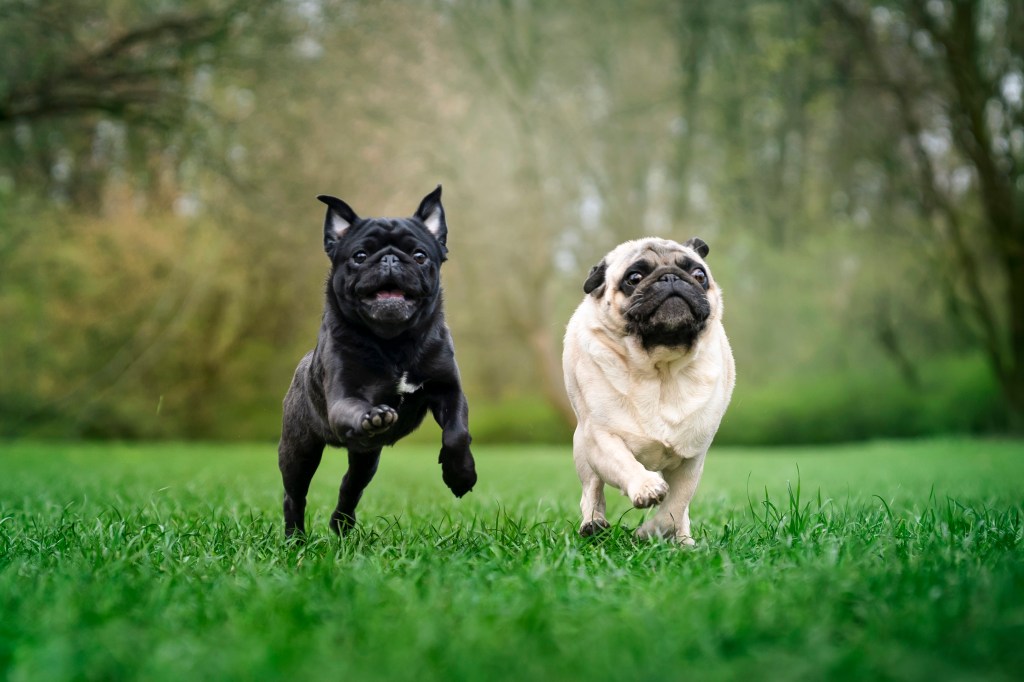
{"x": 168, "y": 562}
{"x": 133, "y": 328}
{"x": 522, "y": 420}
{"x": 956, "y": 395}
{"x": 160, "y": 261}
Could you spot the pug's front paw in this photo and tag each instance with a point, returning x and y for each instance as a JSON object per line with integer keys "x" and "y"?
{"x": 647, "y": 491}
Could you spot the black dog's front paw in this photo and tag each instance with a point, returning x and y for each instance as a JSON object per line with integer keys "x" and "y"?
{"x": 376, "y": 420}
{"x": 458, "y": 473}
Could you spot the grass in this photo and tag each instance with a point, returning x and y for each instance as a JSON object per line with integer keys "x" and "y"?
{"x": 888, "y": 561}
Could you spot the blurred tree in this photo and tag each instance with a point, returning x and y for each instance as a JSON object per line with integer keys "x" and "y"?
{"x": 92, "y": 88}
{"x": 135, "y": 73}
{"x": 953, "y": 74}
{"x": 586, "y": 155}
{"x": 122, "y": 115}
{"x": 161, "y": 244}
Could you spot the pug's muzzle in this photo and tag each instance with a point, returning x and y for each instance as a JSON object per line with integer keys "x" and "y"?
{"x": 669, "y": 308}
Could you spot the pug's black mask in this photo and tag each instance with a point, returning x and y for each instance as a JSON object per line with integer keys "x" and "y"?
{"x": 669, "y": 306}
{"x": 385, "y": 272}
{"x": 662, "y": 294}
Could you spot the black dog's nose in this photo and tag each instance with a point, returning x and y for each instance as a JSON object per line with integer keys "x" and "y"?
{"x": 668, "y": 277}
{"x": 389, "y": 261}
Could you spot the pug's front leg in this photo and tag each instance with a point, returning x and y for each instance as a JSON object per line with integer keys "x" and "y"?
{"x": 355, "y": 418}
{"x": 617, "y": 466}
{"x": 458, "y": 470}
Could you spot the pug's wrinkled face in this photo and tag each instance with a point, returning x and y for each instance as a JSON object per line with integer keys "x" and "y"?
{"x": 658, "y": 290}
{"x": 385, "y": 272}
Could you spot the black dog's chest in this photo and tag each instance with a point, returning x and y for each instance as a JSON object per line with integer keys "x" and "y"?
{"x": 411, "y": 408}
{"x": 403, "y": 393}
{"x": 395, "y": 389}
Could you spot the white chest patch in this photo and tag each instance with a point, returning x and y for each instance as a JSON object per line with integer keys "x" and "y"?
{"x": 404, "y": 387}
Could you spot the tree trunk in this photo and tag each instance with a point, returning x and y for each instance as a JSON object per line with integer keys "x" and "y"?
{"x": 1012, "y": 380}
{"x": 965, "y": 92}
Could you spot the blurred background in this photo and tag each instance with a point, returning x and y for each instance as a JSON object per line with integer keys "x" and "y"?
{"x": 856, "y": 167}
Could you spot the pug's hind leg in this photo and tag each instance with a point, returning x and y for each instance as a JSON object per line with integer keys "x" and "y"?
{"x": 673, "y": 517}
{"x": 361, "y": 468}
{"x": 592, "y": 502}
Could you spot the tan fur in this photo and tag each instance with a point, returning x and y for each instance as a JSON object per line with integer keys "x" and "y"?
{"x": 646, "y": 418}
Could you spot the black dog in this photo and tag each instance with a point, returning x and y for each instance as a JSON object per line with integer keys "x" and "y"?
{"x": 383, "y": 356}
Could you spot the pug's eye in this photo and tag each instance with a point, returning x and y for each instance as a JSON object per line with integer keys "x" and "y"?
{"x": 699, "y": 275}
{"x": 634, "y": 278}
{"x": 359, "y": 257}
{"x": 419, "y": 257}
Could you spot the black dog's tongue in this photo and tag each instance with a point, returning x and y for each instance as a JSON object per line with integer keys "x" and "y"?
{"x": 390, "y": 293}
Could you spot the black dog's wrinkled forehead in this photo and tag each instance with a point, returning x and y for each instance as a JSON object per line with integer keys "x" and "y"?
{"x": 374, "y": 234}
{"x": 343, "y": 227}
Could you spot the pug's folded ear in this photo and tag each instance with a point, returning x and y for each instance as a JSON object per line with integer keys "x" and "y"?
{"x": 698, "y": 245}
{"x": 595, "y": 280}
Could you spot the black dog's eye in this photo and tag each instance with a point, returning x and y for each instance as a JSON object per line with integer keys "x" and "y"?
{"x": 699, "y": 275}
{"x": 359, "y": 256}
{"x": 419, "y": 257}
{"x": 634, "y": 278}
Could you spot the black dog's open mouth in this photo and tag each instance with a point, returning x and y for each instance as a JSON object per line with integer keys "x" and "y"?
{"x": 388, "y": 305}
{"x": 385, "y": 294}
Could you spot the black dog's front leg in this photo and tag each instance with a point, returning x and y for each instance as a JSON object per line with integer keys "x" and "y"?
{"x": 355, "y": 417}
{"x": 458, "y": 469}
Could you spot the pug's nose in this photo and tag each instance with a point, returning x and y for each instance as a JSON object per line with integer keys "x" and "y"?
{"x": 668, "y": 277}
{"x": 389, "y": 261}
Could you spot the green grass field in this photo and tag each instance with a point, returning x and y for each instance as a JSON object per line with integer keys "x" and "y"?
{"x": 888, "y": 561}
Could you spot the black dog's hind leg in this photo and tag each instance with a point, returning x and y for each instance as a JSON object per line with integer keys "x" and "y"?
{"x": 298, "y": 459}
{"x": 361, "y": 468}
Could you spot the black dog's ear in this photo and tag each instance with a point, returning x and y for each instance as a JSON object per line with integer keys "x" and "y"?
{"x": 431, "y": 212}
{"x": 698, "y": 245}
{"x": 339, "y": 218}
{"x": 595, "y": 280}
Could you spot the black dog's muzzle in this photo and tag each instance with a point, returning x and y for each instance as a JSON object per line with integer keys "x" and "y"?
{"x": 389, "y": 262}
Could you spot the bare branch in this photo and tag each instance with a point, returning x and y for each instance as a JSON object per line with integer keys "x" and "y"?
{"x": 933, "y": 201}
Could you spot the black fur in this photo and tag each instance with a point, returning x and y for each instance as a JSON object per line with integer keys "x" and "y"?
{"x": 383, "y": 330}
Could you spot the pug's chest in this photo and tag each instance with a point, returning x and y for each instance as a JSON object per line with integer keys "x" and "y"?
{"x": 660, "y": 443}
{"x": 670, "y": 421}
